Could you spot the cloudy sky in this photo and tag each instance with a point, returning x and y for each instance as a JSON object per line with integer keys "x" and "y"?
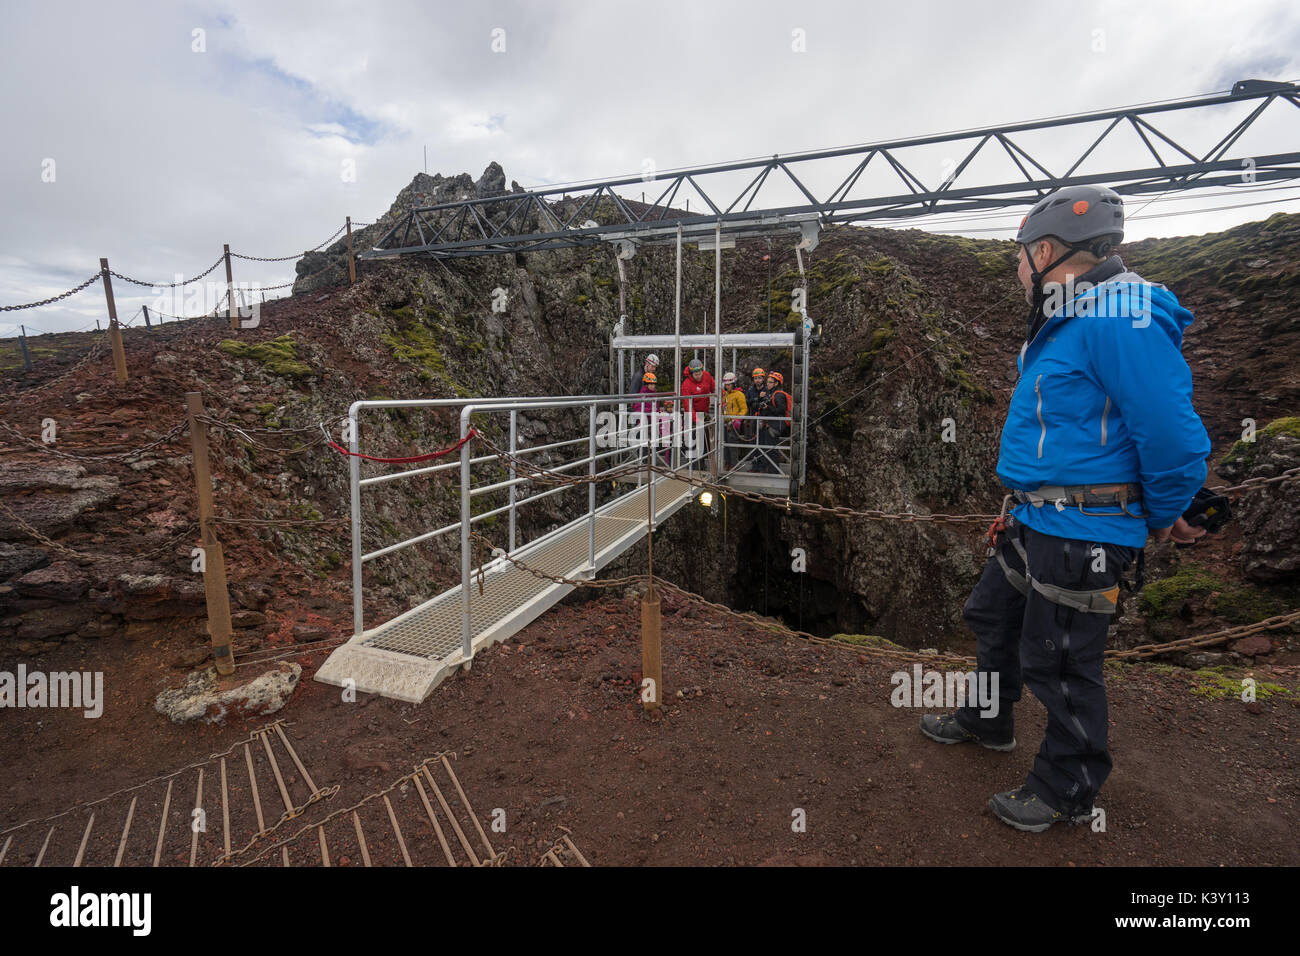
{"x": 151, "y": 133}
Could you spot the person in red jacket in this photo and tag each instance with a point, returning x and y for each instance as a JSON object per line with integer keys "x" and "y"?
{"x": 698, "y": 383}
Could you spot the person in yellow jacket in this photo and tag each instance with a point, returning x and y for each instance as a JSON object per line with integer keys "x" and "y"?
{"x": 733, "y": 405}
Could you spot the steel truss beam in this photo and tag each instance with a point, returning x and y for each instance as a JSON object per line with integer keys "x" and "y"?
{"x": 564, "y": 217}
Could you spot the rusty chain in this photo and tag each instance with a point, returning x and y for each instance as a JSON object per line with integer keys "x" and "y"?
{"x": 121, "y": 457}
{"x": 167, "y": 285}
{"x": 543, "y": 476}
{"x": 285, "y": 285}
{"x": 285, "y": 817}
{"x": 18, "y": 520}
{"x": 1204, "y": 640}
{"x": 55, "y": 298}
{"x": 263, "y": 430}
{"x": 747, "y": 617}
{"x": 754, "y": 620}
{"x": 246, "y": 434}
{"x": 400, "y": 781}
{"x": 1251, "y": 483}
{"x": 44, "y": 539}
{"x": 93, "y": 352}
{"x": 166, "y": 776}
{"x": 275, "y": 522}
{"x": 236, "y": 255}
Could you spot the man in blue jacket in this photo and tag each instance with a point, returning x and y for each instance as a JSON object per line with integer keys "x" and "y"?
{"x": 1101, "y": 447}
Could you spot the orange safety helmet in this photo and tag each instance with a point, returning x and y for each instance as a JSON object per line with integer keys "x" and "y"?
{"x": 758, "y": 373}
{"x": 777, "y": 376}
{"x": 649, "y": 379}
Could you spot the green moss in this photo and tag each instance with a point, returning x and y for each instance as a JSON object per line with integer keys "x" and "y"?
{"x": 1239, "y": 604}
{"x": 991, "y": 258}
{"x": 1165, "y": 598}
{"x": 865, "y": 640}
{"x": 417, "y": 345}
{"x": 279, "y": 356}
{"x": 582, "y": 300}
{"x": 1219, "y": 683}
{"x": 1243, "y": 452}
{"x": 839, "y": 424}
{"x": 880, "y": 339}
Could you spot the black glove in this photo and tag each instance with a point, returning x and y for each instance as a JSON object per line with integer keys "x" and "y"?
{"x": 1208, "y": 511}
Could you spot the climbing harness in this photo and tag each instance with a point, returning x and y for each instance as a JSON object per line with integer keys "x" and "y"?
{"x": 1083, "y": 497}
{"x": 1096, "y": 601}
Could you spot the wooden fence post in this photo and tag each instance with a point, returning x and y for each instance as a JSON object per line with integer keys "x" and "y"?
{"x": 22, "y": 342}
{"x": 352, "y": 263}
{"x": 147, "y": 325}
{"x": 114, "y": 330}
{"x": 214, "y": 565}
{"x": 230, "y": 290}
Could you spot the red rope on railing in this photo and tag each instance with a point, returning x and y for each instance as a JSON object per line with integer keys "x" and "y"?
{"x": 406, "y": 461}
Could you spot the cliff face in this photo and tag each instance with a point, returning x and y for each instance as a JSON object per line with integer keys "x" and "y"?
{"x": 919, "y": 337}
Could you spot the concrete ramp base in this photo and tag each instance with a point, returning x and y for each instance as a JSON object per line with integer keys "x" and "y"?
{"x": 374, "y": 671}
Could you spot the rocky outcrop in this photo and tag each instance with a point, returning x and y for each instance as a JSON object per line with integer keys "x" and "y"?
{"x": 919, "y": 337}
{"x": 212, "y": 699}
{"x": 328, "y": 267}
{"x": 1269, "y": 515}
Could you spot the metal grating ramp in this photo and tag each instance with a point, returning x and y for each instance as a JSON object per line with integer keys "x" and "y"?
{"x": 407, "y": 657}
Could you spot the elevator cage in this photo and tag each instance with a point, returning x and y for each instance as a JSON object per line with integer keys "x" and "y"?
{"x": 745, "y": 460}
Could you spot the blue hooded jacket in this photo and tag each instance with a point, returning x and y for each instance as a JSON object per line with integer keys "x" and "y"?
{"x": 1105, "y": 397}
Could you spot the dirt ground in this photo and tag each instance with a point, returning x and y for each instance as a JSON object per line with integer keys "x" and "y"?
{"x": 548, "y": 728}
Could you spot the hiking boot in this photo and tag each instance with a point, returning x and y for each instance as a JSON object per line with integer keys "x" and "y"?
{"x": 944, "y": 729}
{"x": 1026, "y": 810}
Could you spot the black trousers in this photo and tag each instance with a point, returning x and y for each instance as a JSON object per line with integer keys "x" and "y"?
{"x": 1056, "y": 651}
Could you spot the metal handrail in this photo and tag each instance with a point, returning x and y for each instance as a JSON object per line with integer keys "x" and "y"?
{"x": 467, "y": 492}
{"x": 514, "y": 404}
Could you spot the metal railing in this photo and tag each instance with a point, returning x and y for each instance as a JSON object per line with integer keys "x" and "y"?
{"x": 615, "y": 442}
{"x": 687, "y": 447}
{"x": 747, "y": 450}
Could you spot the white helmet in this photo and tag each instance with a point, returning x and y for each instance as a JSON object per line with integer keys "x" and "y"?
{"x": 652, "y": 358}
{"x": 729, "y": 378}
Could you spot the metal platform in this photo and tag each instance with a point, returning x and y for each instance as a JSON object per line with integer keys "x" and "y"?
{"x": 407, "y": 657}
{"x": 758, "y": 482}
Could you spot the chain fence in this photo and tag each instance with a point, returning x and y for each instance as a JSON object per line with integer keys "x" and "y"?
{"x": 92, "y": 353}
{"x": 120, "y": 457}
{"x": 168, "y": 285}
{"x": 1139, "y": 652}
{"x": 55, "y": 298}
{"x": 316, "y": 248}
{"x": 131, "y": 280}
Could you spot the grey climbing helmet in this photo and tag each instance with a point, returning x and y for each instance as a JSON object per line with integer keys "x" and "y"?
{"x": 1083, "y": 217}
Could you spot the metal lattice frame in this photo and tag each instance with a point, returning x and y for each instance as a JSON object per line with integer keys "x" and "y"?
{"x": 563, "y": 217}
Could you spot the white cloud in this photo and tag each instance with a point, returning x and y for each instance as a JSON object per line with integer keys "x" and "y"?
{"x": 163, "y": 154}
